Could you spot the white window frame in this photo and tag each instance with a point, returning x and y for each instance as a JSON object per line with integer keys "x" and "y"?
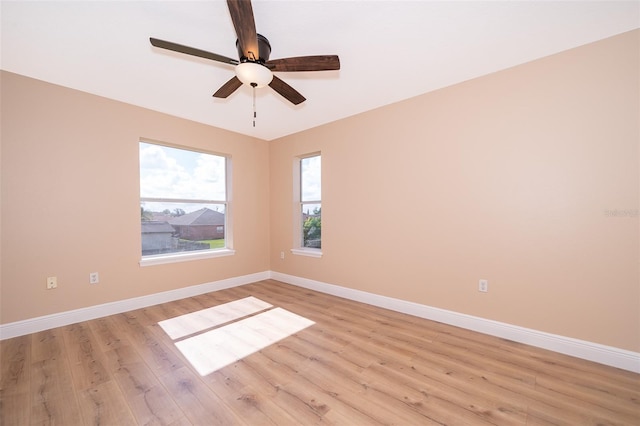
{"x": 298, "y": 247}
{"x": 165, "y": 258}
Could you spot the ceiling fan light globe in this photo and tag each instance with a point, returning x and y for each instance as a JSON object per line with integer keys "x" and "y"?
{"x": 251, "y": 73}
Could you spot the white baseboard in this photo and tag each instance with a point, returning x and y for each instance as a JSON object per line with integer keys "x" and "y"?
{"x": 34, "y": 325}
{"x": 596, "y": 352}
{"x": 602, "y": 354}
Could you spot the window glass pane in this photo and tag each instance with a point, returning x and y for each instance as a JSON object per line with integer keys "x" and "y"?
{"x": 312, "y": 225}
{"x": 182, "y": 200}
{"x": 179, "y": 227}
{"x": 310, "y": 177}
{"x": 181, "y": 174}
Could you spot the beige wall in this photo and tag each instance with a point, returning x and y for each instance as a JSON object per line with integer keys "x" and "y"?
{"x": 508, "y": 178}
{"x": 70, "y": 198}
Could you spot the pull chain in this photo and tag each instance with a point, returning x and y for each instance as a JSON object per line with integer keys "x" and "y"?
{"x": 253, "y": 85}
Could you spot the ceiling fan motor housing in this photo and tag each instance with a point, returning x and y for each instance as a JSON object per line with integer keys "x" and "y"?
{"x": 264, "y": 49}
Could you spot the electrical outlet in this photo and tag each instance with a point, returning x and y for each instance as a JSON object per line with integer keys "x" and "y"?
{"x": 94, "y": 278}
{"x": 52, "y": 282}
{"x": 483, "y": 286}
{"x": 281, "y": 255}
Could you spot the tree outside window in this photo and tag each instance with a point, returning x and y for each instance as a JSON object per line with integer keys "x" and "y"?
{"x": 310, "y": 201}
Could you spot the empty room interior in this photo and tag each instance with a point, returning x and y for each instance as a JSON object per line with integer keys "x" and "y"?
{"x": 427, "y": 213}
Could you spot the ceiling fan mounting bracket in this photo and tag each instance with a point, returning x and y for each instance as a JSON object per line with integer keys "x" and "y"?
{"x": 264, "y": 51}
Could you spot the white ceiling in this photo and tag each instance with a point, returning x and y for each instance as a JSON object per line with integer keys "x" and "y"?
{"x": 389, "y": 50}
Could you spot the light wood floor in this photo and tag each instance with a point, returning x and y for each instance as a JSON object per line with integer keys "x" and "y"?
{"x": 358, "y": 365}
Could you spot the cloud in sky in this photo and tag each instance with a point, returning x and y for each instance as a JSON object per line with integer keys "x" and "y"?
{"x": 178, "y": 174}
{"x": 311, "y": 178}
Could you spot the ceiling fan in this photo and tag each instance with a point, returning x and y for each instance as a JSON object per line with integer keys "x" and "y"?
{"x": 254, "y": 67}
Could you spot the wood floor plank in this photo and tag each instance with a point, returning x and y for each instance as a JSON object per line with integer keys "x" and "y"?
{"x": 85, "y": 357}
{"x": 345, "y": 382}
{"x": 15, "y": 383}
{"x": 156, "y": 354}
{"x": 104, "y": 404}
{"x": 49, "y": 408}
{"x": 347, "y": 385}
{"x": 15, "y": 409}
{"x": 198, "y": 402}
{"x": 414, "y": 398}
{"x": 107, "y": 333}
{"x": 357, "y": 365}
{"x": 254, "y": 396}
{"x": 454, "y": 400}
{"x": 280, "y": 379}
{"x": 53, "y": 396}
{"x": 593, "y": 403}
{"x": 282, "y": 364}
{"x": 149, "y": 401}
{"x": 47, "y": 345}
{"x": 155, "y": 406}
{"x": 14, "y": 369}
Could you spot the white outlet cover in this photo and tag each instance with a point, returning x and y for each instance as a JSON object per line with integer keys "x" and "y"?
{"x": 52, "y": 282}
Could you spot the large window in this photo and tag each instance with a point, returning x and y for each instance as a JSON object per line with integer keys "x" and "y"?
{"x": 183, "y": 202}
{"x": 308, "y": 221}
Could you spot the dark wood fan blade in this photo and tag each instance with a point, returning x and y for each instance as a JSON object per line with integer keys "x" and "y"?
{"x": 228, "y": 88}
{"x": 305, "y": 63}
{"x": 191, "y": 51}
{"x": 242, "y": 16}
{"x": 288, "y": 92}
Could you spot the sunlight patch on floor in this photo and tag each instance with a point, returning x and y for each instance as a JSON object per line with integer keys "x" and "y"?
{"x": 223, "y": 334}
{"x": 198, "y": 321}
{"x": 214, "y": 349}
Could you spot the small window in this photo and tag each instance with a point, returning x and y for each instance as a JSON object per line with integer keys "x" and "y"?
{"x": 308, "y": 219}
{"x": 183, "y": 201}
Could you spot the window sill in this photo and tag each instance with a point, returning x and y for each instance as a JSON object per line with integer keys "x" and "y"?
{"x": 307, "y": 252}
{"x": 184, "y": 257}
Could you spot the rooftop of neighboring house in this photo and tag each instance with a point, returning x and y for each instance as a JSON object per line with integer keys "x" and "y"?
{"x": 204, "y": 216}
{"x": 156, "y": 227}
